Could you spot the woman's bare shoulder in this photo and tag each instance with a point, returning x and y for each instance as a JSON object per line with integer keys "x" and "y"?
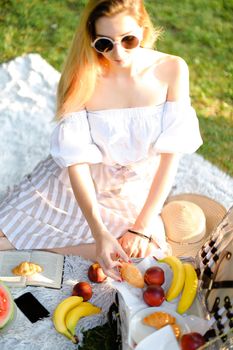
{"x": 170, "y": 70}
{"x": 167, "y": 66}
{"x": 174, "y": 71}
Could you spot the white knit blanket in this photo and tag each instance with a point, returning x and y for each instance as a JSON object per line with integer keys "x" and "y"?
{"x": 27, "y": 99}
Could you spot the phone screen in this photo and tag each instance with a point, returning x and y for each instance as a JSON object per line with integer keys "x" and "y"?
{"x": 31, "y": 307}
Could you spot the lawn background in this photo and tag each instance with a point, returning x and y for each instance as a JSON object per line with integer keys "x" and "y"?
{"x": 200, "y": 31}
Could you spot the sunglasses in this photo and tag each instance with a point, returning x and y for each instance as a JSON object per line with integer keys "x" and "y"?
{"x": 104, "y": 44}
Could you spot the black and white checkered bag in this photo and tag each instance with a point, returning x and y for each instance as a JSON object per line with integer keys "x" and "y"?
{"x": 215, "y": 261}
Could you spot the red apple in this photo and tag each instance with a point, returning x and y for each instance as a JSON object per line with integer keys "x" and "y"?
{"x": 95, "y": 273}
{"x": 191, "y": 341}
{"x": 154, "y": 295}
{"x": 82, "y": 289}
{"x": 154, "y": 275}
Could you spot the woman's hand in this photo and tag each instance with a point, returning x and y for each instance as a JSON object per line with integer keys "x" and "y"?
{"x": 134, "y": 245}
{"x": 139, "y": 247}
{"x": 108, "y": 250}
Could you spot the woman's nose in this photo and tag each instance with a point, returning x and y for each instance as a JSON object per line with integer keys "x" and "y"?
{"x": 118, "y": 49}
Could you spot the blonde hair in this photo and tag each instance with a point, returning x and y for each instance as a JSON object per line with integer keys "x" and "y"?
{"x": 83, "y": 63}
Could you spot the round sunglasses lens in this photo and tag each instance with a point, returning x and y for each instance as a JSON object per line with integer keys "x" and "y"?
{"x": 130, "y": 42}
{"x": 103, "y": 45}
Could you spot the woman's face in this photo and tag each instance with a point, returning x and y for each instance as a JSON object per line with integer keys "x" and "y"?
{"x": 116, "y": 28}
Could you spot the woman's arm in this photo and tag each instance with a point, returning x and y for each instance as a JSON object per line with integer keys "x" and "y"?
{"x": 160, "y": 188}
{"x": 106, "y": 245}
{"x": 148, "y": 221}
{"x": 175, "y": 73}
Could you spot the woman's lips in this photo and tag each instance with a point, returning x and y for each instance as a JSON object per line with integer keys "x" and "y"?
{"x": 119, "y": 61}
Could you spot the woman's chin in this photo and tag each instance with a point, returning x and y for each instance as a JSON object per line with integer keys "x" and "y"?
{"x": 121, "y": 62}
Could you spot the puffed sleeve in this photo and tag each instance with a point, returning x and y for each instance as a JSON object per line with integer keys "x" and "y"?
{"x": 71, "y": 141}
{"x": 180, "y": 129}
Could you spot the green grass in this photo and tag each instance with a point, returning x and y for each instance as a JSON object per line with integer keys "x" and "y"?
{"x": 199, "y": 31}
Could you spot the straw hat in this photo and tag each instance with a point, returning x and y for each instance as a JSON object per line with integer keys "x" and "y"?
{"x": 189, "y": 219}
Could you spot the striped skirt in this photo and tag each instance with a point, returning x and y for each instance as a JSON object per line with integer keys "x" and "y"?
{"x": 41, "y": 212}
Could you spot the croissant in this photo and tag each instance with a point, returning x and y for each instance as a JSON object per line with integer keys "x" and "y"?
{"x": 176, "y": 330}
{"x": 131, "y": 274}
{"x": 159, "y": 319}
{"x": 26, "y": 268}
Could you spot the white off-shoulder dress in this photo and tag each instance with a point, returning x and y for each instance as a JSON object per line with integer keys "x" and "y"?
{"x": 122, "y": 147}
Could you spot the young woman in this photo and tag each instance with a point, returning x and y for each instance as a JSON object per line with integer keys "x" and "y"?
{"x": 124, "y": 117}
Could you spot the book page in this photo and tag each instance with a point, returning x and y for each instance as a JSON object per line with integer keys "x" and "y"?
{"x": 52, "y": 265}
{"x": 8, "y": 260}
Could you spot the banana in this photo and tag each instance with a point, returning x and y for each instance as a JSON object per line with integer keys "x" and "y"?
{"x": 190, "y": 288}
{"x": 82, "y": 310}
{"x": 60, "y": 313}
{"x": 178, "y": 276}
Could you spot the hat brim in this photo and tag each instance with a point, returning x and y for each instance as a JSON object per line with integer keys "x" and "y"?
{"x": 214, "y": 213}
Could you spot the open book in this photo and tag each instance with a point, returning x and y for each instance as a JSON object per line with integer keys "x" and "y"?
{"x": 51, "y": 263}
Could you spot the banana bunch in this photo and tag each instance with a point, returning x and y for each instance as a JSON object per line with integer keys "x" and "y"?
{"x": 184, "y": 281}
{"x": 68, "y": 313}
